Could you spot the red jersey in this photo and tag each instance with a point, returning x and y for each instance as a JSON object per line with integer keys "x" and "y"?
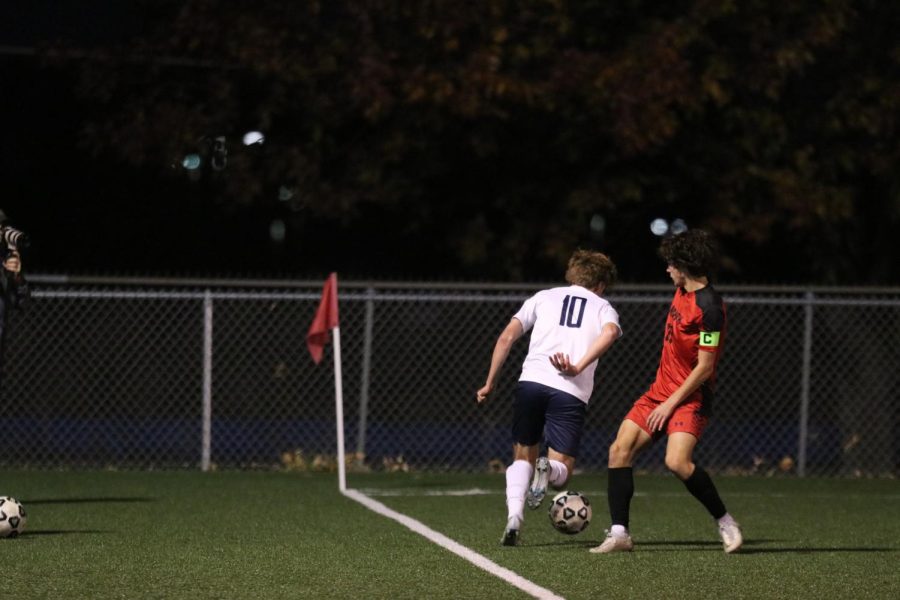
{"x": 696, "y": 323}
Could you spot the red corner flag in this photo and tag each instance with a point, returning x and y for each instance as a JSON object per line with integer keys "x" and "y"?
{"x": 325, "y": 320}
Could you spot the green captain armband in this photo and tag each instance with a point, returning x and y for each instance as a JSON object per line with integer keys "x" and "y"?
{"x": 709, "y": 339}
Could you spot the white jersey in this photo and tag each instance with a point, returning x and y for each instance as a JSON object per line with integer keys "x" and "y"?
{"x": 568, "y": 320}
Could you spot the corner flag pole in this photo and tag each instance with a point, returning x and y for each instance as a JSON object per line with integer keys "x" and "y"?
{"x": 339, "y": 411}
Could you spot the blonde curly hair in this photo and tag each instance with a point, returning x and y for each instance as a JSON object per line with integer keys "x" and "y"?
{"x": 591, "y": 269}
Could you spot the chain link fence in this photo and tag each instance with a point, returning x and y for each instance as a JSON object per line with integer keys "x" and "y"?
{"x": 163, "y": 374}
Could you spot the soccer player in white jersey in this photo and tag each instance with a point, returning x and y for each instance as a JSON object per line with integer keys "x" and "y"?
{"x": 571, "y": 327}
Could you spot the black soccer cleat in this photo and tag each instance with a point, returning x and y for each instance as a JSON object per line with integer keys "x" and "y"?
{"x": 511, "y": 533}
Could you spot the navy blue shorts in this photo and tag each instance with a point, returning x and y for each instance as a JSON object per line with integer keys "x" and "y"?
{"x": 540, "y": 409}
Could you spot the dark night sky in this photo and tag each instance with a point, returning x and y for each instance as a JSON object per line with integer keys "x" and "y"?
{"x": 92, "y": 216}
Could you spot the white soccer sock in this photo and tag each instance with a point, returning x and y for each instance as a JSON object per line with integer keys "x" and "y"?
{"x": 618, "y": 530}
{"x": 727, "y": 519}
{"x": 559, "y": 473}
{"x": 518, "y": 478}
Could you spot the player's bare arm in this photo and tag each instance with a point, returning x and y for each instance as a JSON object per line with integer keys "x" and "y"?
{"x": 507, "y": 338}
{"x": 706, "y": 362}
{"x": 561, "y": 361}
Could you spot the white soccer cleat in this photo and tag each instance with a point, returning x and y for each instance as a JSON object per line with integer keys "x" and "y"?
{"x": 511, "y": 533}
{"x": 732, "y": 539}
{"x": 614, "y": 543}
{"x": 538, "y": 488}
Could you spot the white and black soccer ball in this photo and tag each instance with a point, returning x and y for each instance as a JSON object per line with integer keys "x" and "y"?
{"x": 570, "y": 512}
{"x": 12, "y": 517}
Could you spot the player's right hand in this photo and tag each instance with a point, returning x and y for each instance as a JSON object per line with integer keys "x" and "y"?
{"x": 561, "y": 361}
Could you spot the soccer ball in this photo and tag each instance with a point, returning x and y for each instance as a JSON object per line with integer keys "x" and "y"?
{"x": 570, "y": 512}
{"x": 12, "y": 517}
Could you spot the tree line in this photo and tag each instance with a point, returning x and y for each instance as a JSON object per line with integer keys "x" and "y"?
{"x": 488, "y": 138}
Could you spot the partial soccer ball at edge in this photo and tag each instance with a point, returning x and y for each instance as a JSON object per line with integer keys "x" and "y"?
{"x": 12, "y": 517}
{"x": 570, "y": 512}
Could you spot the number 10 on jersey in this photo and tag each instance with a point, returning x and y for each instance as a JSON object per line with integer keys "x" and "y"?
{"x": 571, "y": 304}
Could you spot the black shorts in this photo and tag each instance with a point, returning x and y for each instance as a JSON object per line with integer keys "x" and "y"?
{"x": 540, "y": 409}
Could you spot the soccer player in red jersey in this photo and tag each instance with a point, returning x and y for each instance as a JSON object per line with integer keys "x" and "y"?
{"x": 679, "y": 400}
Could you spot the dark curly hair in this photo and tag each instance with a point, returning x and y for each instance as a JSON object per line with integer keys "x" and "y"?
{"x": 694, "y": 252}
{"x": 589, "y": 269}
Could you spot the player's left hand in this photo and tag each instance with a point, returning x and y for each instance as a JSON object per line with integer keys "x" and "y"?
{"x": 482, "y": 394}
{"x": 659, "y": 416}
{"x": 562, "y": 363}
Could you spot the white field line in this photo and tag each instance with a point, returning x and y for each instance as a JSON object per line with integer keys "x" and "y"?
{"x": 388, "y": 493}
{"x": 385, "y": 493}
{"x": 414, "y": 492}
{"x": 440, "y": 539}
{"x": 409, "y": 492}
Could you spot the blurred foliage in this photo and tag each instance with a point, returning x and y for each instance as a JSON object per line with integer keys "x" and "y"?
{"x": 489, "y": 132}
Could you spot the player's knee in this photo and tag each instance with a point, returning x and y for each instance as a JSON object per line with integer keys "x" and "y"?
{"x": 619, "y": 455}
{"x": 680, "y": 466}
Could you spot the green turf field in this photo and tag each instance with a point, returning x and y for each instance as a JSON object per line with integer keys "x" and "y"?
{"x": 292, "y": 535}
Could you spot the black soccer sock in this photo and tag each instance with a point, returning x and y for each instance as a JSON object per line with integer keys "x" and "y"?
{"x": 619, "y": 490}
{"x": 700, "y": 485}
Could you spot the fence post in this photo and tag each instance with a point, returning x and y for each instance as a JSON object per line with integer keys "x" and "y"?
{"x": 207, "y": 380}
{"x": 366, "y": 371}
{"x": 804, "y": 384}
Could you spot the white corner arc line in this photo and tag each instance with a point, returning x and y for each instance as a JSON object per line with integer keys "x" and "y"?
{"x": 442, "y": 540}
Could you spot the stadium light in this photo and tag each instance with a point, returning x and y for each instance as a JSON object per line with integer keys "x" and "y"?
{"x": 597, "y": 229}
{"x": 659, "y": 227}
{"x": 678, "y": 226}
{"x": 253, "y": 138}
{"x": 285, "y": 193}
{"x": 277, "y": 231}
{"x": 191, "y": 161}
